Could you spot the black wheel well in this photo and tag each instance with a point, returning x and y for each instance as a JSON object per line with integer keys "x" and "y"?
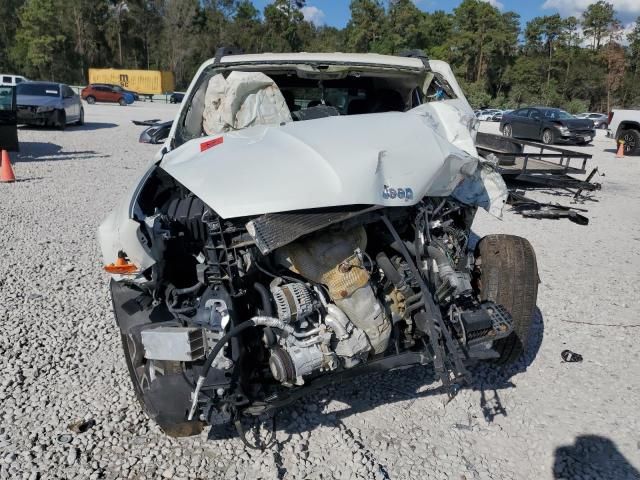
{"x": 627, "y": 125}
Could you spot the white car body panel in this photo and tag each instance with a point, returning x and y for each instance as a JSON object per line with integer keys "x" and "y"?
{"x": 387, "y": 159}
{"x": 621, "y": 115}
{"x": 322, "y": 163}
{"x": 120, "y": 232}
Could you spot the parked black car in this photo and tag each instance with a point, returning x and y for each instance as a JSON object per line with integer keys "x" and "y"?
{"x": 176, "y": 97}
{"x": 549, "y": 125}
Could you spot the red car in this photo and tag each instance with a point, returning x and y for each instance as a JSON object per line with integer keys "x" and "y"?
{"x": 100, "y": 92}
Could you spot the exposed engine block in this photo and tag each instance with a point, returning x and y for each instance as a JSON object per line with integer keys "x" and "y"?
{"x": 323, "y": 338}
{"x": 335, "y": 260}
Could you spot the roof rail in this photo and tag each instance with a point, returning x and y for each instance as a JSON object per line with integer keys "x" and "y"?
{"x": 417, "y": 53}
{"x": 225, "y": 51}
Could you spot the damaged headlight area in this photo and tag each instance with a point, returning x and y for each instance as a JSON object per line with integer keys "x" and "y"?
{"x": 242, "y": 316}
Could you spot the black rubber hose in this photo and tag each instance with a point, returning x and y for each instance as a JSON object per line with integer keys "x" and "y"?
{"x": 188, "y": 290}
{"x": 267, "y": 308}
{"x": 264, "y": 321}
{"x": 212, "y": 356}
{"x": 389, "y": 270}
{"x": 398, "y": 245}
{"x": 222, "y": 342}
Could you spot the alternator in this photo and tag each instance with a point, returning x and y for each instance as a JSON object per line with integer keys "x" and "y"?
{"x": 293, "y": 300}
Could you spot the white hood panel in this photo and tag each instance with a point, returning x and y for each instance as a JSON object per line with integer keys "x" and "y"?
{"x": 389, "y": 159}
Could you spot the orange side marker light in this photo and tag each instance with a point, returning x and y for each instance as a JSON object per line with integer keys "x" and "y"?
{"x": 121, "y": 266}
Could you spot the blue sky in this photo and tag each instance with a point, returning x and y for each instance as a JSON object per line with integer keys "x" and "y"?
{"x": 336, "y": 12}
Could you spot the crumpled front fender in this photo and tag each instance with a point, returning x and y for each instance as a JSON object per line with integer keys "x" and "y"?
{"x": 120, "y": 232}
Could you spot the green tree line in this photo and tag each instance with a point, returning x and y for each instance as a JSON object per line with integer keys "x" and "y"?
{"x": 585, "y": 63}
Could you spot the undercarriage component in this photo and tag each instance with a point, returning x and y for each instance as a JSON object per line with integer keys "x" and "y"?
{"x": 316, "y": 308}
{"x": 294, "y": 362}
{"x": 180, "y": 344}
{"x": 323, "y": 341}
{"x": 293, "y": 300}
{"x": 481, "y": 323}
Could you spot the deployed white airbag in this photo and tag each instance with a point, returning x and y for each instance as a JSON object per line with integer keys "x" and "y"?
{"x": 242, "y": 100}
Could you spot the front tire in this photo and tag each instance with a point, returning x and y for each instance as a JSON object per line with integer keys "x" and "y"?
{"x": 122, "y": 102}
{"x": 80, "y": 121}
{"x": 91, "y": 100}
{"x": 60, "y": 120}
{"x": 506, "y": 273}
{"x": 548, "y": 137}
{"x": 507, "y": 131}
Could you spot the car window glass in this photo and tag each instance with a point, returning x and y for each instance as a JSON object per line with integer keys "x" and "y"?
{"x": 6, "y": 79}
{"x": 521, "y": 113}
{"x": 37, "y": 89}
{"x": 534, "y": 114}
{"x": 6, "y": 98}
{"x": 557, "y": 115}
{"x": 18, "y": 80}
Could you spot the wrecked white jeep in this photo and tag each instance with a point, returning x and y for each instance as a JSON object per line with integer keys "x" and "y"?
{"x": 307, "y": 221}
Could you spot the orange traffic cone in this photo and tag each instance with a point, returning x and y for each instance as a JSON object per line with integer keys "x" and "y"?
{"x": 620, "y": 153}
{"x": 6, "y": 172}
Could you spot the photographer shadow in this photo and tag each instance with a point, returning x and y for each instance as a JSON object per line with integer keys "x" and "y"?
{"x": 592, "y": 456}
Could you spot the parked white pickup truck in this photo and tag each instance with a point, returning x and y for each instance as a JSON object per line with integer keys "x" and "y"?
{"x": 625, "y": 125}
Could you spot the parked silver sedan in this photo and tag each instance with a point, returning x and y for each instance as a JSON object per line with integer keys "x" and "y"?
{"x": 600, "y": 120}
{"x": 48, "y": 104}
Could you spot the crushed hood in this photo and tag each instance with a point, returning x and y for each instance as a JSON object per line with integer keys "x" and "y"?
{"x": 389, "y": 159}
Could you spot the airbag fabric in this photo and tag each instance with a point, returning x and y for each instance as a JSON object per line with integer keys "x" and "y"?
{"x": 242, "y": 100}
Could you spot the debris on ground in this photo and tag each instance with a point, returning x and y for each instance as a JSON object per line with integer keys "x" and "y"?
{"x": 82, "y": 426}
{"x": 529, "y": 208}
{"x": 65, "y": 438}
{"x": 570, "y": 357}
{"x": 146, "y": 123}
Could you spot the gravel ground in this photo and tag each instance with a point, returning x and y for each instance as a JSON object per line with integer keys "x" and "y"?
{"x": 61, "y": 358}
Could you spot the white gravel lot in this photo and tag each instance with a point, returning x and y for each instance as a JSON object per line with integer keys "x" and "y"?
{"x": 61, "y": 357}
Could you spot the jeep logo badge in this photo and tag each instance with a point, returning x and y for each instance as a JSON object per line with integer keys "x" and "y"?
{"x": 405, "y": 194}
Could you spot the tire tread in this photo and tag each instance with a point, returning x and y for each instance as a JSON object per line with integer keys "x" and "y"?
{"x": 509, "y": 277}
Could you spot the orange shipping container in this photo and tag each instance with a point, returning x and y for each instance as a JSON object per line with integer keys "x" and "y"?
{"x": 141, "y": 81}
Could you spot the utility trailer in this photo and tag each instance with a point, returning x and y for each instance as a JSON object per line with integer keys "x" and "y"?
{"x": 539, "y": 165}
